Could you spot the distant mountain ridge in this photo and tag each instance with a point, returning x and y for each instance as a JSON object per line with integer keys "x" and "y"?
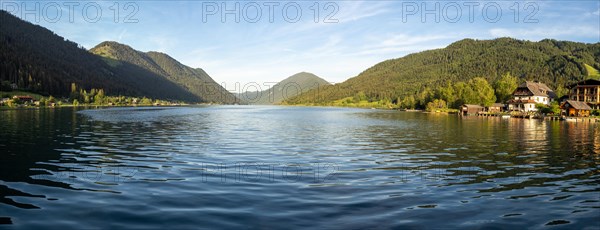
{"x": 196, "y": 81}
{"x": 556, "y": 63}
{"x": 285, "y": 89}
{"x": 36, "y": 59}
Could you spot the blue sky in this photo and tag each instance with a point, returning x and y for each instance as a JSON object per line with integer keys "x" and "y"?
{"x": 262, "y": 49}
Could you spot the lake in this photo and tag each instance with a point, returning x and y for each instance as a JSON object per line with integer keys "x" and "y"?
{"x": 293, "y": 167}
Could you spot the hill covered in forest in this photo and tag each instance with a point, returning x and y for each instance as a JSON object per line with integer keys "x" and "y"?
{"x": 196, "y": 81}
{"x": 285, "y": 89}
{"x": 33, "y": 58}
{"x": 556, "y": 63}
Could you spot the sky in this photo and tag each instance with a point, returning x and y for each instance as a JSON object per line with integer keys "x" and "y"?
{"x": 241, "y": 42}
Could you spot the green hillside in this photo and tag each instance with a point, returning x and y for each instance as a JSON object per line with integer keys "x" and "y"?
{"x": 285, "y": 89}
{"x": 555, "y": 63}
{"x": 592, "y": 72}
{"x": 196, "y": 81}
{"x": 34, "y": 59}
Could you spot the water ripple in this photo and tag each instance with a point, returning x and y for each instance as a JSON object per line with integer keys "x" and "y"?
{"x": 263, "y": 166}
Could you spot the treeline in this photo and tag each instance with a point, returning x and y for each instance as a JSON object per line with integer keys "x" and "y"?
{"x": 80, "y": 97}
{"x": 452, "y": 95}
{"x": 98, "y": 97}
{"x": 555, "y": 63}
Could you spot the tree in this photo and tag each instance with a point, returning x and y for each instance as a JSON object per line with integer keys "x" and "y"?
{"x": 561, "y": 91}
{"x": 29, "y": 82}
{"x": 101, "y": 93}
{"x": 464, "y": 94}
{"x": 408, "y": 102}
{"x": 74, "y": 93}
{"x": 436, "y": 105}
{"x": 10, "y": 102}
{"x": 543, "y": 109}
{"x": 360, "y": 96}
{"x": 146, "y": 101}
{"x": 484, "y": 93}
{"x": 426, "y": 95}
{"x": 99, "y": 98}
{"x": 447, "y": 93}
{"x": 73, "y": 87}
{"x": 555, "y": 108}
{"x": 505, "y": 86}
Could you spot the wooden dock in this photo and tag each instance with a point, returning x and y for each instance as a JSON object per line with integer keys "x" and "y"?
{"x": 546, "y": 118}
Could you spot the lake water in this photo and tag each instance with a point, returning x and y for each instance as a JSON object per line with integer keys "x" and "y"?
{"x": 294, "y": 167}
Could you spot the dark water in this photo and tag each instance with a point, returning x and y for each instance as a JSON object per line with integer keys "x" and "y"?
{"x": 287, "y": 167}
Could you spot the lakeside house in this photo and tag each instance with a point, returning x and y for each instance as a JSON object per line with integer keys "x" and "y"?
{"x": 587, "y": 91}
{"x": 576, "y": 108}
{"x": 528, "y": 94}
{"x": 469, "y": 109}
{"x": 24, "y": 99}
{"x": 496, "y": 108}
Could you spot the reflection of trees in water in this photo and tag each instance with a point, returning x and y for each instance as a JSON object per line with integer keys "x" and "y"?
{"x": 59, "y": 148}
{"x": 512, "y": 153}
{"x": 27, "y": 136}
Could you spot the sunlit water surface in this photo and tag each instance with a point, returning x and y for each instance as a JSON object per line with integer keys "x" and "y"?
{"x": 293, "y": 167}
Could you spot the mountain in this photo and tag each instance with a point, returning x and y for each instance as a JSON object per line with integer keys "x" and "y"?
{"x": 285, "y": 89}
{"x": 555, "y": 63}
{"x": 36, "y": 59}
{"x": 196, "y": 81}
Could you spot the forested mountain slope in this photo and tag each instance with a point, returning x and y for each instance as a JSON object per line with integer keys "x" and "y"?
{"x": 555, "y": 63}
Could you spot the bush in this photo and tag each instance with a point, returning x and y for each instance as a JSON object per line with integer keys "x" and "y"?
{"x": 544, "y": 109}
{"x": 436, "y": 105}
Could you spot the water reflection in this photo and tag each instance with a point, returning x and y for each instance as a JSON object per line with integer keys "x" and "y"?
{"x": 26, "y": 136}
{"x": 238, "y": 164}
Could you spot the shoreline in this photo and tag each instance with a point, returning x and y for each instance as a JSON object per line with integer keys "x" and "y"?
{"x": 544, "y": 118}
{"x": 91, "y": 106}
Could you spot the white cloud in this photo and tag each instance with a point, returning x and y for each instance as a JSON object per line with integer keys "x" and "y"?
{"x": 353, "y": 11}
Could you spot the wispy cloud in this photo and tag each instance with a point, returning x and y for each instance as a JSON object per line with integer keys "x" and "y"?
{"x": 367, "y": 32}
{"x": 353, "y": 11}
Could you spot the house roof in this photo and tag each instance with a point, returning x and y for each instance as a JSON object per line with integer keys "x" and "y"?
{"x": 588, "y": 82}
{"x": 497, "y": 105}
{"x": 535, "y": 89}
{"x": 578, "y": 105}
{"x": 473, "y": 106}
{"x": 25, "y": 97}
